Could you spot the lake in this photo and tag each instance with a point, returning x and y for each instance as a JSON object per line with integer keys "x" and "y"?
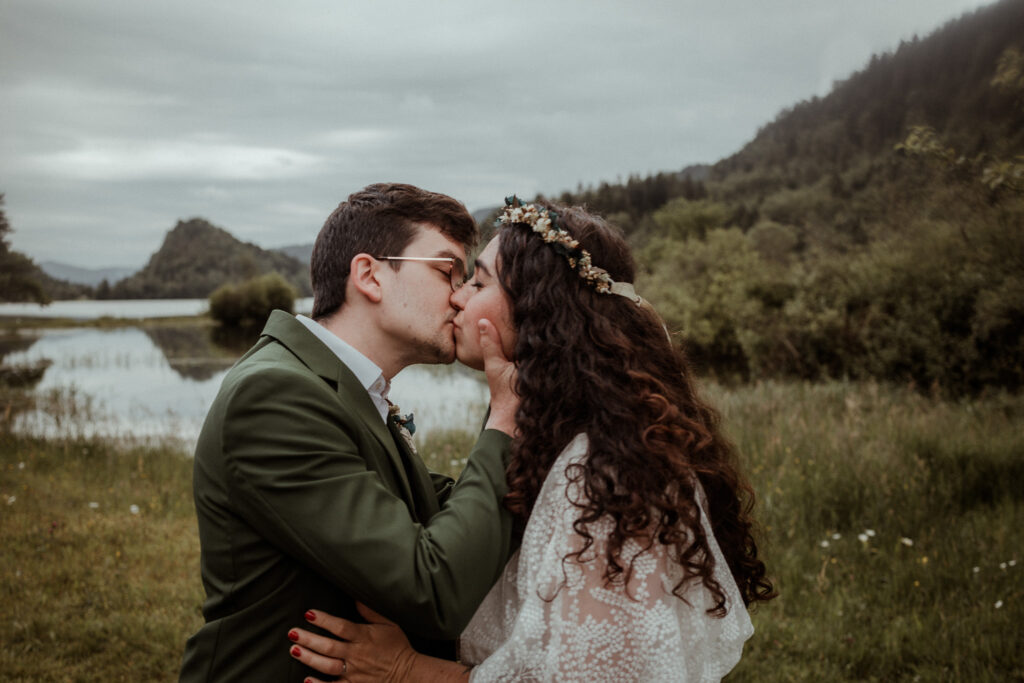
{"x": 156, "y": 382}
{"x": 120, "y": 308}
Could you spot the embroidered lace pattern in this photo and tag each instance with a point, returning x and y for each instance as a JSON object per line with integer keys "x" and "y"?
{"x": 545, "y": 620}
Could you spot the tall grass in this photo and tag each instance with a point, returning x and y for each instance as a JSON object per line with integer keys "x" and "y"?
{"x": 931, "y": 591}
{"x": 893, "y": 527}
{"x": 99, "y": 571}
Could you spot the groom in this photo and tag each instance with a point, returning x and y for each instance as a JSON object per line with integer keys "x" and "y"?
{"x": 307, "y": 494}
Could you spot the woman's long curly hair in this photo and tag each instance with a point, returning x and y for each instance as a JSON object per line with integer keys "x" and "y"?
{"x": 601, "y": 365}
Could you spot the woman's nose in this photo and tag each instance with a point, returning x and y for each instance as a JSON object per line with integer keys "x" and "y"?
{"x": 458, "y": 298}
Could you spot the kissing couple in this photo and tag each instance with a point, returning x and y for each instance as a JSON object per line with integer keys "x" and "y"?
{"x": 600, "y": 531}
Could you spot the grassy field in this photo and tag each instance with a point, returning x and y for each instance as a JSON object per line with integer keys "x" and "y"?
{"x": 893, "y": 527}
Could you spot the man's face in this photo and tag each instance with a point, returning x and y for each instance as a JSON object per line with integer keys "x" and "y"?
{"x": 419, "y": 311}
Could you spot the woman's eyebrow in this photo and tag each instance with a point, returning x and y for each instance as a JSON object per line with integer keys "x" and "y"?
{"x": 479, "y": 264}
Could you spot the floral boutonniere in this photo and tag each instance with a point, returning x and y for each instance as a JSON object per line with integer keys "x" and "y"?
{"x": 406, "y": 426}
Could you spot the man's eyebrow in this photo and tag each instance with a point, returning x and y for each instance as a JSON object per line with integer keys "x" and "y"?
{"x": 448, "y": 253}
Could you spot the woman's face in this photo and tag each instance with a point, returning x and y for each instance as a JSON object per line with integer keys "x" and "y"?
{"x": 482, "y": 298}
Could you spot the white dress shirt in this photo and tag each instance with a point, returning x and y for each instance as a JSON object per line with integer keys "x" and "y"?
{"x": 365, "y": 370}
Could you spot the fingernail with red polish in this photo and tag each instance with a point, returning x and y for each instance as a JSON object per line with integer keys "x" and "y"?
{"x": 310, "y": 615}
{"x": 296, "y": 651}
{"x": 293, "y": 636}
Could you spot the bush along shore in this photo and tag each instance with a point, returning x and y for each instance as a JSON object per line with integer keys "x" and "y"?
{"x": 892, "y": 525}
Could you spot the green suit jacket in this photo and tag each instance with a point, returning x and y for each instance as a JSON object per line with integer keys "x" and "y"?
{"x": 305, "y": 498}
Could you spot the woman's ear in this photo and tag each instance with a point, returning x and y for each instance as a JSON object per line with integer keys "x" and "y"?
{"x": 363, "y": 276}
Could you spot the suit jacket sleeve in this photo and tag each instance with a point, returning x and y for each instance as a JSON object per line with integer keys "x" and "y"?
{"x": 297, "y": 472}
{"x": 443, "y": 485}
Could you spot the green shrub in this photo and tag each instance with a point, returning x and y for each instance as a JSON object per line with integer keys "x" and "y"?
{"x": 250, "y": 302}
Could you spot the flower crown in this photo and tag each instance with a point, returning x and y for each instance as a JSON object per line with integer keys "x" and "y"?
{"x": 545, "y": 223}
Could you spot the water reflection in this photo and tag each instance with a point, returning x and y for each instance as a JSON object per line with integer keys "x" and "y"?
{"x": 114, "y": 382}
{"x": 194, "y": 352}
{"x": 158, "y": 382}
{"x": 10, "y": 343}
{"x": 441, "y": 397}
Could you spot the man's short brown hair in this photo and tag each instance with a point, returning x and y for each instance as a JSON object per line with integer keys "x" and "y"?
{"x": 379, "y": 220}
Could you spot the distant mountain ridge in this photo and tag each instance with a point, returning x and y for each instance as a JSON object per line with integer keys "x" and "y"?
{"x": 197, "y": 257}
{"x": 300, "y": 252}
{"x": 84, "y": 276}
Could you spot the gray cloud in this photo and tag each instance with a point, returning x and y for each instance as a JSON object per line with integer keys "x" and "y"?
{"x": 121, "y": 117}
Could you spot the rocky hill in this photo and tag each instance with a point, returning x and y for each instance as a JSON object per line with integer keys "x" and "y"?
{"x": 197, "y": 257}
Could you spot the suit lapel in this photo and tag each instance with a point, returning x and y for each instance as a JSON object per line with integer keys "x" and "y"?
{"x": 425, "y": 499}
{"x": 317, "y": 357}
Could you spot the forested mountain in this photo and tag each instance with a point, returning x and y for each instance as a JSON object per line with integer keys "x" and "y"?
{"x": 875, "y": 232}
{"x": 197, "y": 257}
{"x": 949, "y": 82}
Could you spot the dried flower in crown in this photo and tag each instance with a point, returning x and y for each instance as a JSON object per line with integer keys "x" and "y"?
{"x": 545, "y": 223}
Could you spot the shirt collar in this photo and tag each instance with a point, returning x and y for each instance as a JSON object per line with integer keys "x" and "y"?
{"x": 365, "y": 370}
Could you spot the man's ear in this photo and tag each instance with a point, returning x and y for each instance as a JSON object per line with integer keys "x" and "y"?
{"x": 363, "y": 277}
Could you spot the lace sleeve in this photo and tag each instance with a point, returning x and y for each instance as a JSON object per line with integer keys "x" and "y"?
{"x": 564, "y": 623}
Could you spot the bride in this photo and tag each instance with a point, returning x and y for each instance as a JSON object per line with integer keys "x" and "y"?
{"x": 637, "y": 559}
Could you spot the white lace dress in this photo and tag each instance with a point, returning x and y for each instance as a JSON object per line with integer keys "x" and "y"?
{"x": 548, "y": 621}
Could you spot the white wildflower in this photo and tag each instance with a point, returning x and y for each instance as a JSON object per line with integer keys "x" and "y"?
{"x": 11, "y": 499}
{"x": 836, "y": 536}
{"x": 863, "y": 538}
{"x": 1012, "y": 563}
{"x": 907, "y": 541}
{"x": 134, "y": 509}
{"x": 93, "y": 505}
{"x": 870, "y": 532}
{"x": 975, "y": 569}
{"x": 21, "y": 465}
{"x": 824, "y": 544}
{"x": 999, "y": 603}
{"x": 1002, "y": 565}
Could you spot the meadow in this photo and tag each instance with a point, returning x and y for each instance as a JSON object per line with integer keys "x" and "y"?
{"x": 892, "y": 527}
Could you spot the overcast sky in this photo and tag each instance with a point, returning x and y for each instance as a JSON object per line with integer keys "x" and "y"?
{"x": 120, "y": 117}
